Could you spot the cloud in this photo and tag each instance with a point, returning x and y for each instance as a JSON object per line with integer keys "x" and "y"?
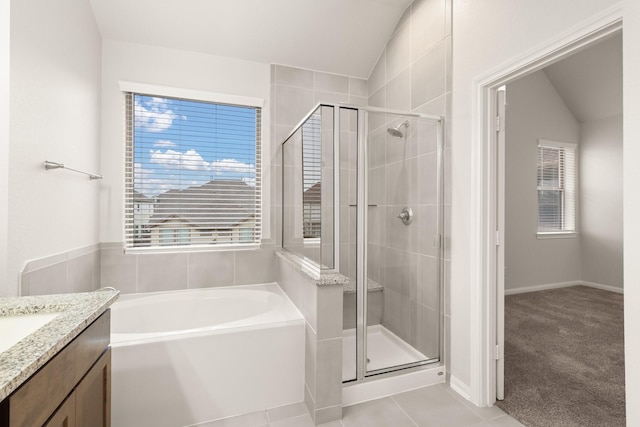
{"x": 231, "y": 166}
{"x": 154, "y": 115}
{"x": 191, "y": 160}
{"x": 146, "y": 183}
{"x": 164, "y": 143}
{"x": 152, "y": 182}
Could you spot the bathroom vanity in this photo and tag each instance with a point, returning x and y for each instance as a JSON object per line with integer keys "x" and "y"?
{"x": 60, "y": 374}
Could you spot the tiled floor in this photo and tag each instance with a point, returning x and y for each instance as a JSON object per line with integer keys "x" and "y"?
{"x": 434, "y": 406}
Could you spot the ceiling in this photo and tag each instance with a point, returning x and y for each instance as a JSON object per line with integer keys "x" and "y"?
{"x": 590, "y": 82}
{"x": 337, "y": 36}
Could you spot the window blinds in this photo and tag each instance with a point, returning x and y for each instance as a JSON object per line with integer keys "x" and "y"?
{"x": 556, "y": 187}
{"x": 192, "y": 173}
{"x": 312, "y": 176}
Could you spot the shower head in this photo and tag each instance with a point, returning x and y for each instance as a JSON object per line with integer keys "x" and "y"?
{"x": 396, "y": 132}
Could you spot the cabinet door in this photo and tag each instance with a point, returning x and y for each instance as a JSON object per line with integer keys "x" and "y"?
{"x": 93, "y": 395}
{"x": 65, "y": 416}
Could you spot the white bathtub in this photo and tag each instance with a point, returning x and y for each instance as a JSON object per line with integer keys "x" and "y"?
{"x": 186, "y": 357}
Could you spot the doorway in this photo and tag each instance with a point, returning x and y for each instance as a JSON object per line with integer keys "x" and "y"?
{"x": 562, "y": 210}
{"x": 490, "y": 241}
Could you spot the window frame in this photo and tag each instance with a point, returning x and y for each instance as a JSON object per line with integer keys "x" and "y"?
{"x": 565, "y": 187}
{"x": 136, "y": 88}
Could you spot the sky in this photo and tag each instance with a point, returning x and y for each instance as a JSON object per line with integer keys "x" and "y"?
{"x": 180, "y": 143}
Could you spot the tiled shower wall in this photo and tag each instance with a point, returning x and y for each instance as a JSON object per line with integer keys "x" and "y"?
{"x": 414, "y": 74}
{"x": 294, "y": 92}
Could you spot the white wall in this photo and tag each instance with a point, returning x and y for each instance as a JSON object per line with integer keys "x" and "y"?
{"x": 55, "y": 56}
{"x": 4, "y": 138}
{"x": 534, "y": 111}
{"x": 487, "y": 35}
{"x": 173, "y": 68}
{"x": 631, "y": 206}
{"x": 600, "y": 199}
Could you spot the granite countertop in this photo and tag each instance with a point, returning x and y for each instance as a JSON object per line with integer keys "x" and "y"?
{"x": 77, "y": 310}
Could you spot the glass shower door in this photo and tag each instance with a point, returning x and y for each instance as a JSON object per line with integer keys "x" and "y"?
{"x": 348, "y": 152}
{"x": 402, "y": 240}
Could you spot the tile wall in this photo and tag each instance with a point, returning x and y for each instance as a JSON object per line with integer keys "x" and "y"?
{"x": 106, "y": 264}
{"x": 322, "y": 310}
{"x": 413, "y": 73}
{"x": 294, "y": 93}
{"x": 131, "y": 273}
{"x": 78, "y": 270}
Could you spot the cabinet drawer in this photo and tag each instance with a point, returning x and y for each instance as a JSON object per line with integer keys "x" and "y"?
{"x": 33, "y": 403}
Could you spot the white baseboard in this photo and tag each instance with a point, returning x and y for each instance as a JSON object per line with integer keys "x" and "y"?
{"x": 604, "y": 287}
{"x": 558, "y": 285}
{"x": 542, "y": 287}
{"x": 459, "y": 387}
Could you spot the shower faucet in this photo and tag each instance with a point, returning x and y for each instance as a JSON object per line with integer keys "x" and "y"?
{"x": 406, "y": 216}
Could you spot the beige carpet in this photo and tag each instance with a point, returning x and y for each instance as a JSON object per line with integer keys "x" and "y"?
{"x": 564, "y": 358}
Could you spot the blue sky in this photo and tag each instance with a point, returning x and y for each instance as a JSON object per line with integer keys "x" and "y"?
{"x": 181, "y": 143}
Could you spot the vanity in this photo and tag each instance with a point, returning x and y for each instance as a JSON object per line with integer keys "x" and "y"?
{"x": 56, "y": 371}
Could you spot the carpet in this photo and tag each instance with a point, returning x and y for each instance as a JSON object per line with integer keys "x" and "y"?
{"x": 564, "y": 358}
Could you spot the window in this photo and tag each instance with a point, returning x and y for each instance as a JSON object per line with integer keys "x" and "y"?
{"x": 193, "y": 174}
{"x": 174, "y": 236}
{"x": 556, "y": 188}
{"x": 312, "y": 177}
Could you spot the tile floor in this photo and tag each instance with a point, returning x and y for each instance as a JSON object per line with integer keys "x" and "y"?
{"x": 436, "y": 406}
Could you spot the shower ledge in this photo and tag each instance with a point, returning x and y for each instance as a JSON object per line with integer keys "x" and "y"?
{"x": 372, "y": 286}
{"x": 312, "y": 272}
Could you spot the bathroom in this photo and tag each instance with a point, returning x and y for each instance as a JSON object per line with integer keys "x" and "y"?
{"x": 62, "y": 65}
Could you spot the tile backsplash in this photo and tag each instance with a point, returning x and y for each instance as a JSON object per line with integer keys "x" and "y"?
{"x": 132, "y": 273}
{"x": 90, "y": 268}
{"x": 77, "y": 270}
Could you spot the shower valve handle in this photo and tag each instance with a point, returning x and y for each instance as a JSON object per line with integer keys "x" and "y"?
{"x": 406, "y": 216}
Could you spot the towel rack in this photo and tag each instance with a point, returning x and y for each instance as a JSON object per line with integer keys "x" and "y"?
{"x": 55, "y": 165}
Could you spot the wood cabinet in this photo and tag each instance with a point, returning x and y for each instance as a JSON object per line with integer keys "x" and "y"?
{"x": 93, "y": 395}
{"x": 65, "y": 416}
{"x": 72, "y": 389}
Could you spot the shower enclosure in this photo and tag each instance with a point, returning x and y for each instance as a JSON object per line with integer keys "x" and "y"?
{"x": 362, "y": 196}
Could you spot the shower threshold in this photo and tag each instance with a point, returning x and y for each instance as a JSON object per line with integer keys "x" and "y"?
{"x": 384, "y": 350}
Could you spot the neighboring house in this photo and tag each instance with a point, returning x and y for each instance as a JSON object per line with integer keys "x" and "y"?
{"x": 220, "y": 211}
{"x": 142, "y": 213}
{"x": 312, "y": 211}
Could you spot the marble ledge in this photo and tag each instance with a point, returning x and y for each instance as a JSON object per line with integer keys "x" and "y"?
{"x": 311, "y": 271}
{"x": 372, "y": 286}
{"x": 77, "y": 310}
{"x": 324, "y": 278}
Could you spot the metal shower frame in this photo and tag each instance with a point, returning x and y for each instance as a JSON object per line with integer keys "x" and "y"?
{"x": 361, "y": 221}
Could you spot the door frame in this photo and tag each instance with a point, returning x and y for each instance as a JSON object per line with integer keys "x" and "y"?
{"x": 486, "y": 196}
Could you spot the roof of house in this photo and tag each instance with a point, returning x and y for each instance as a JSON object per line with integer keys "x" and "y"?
{"x": 138, "y": 197}
{"x": 312, "y": 195}
{"x": 217, "y": 204}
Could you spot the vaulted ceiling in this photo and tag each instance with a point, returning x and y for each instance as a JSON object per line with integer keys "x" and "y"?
{"x": 338, "y": 36}
{"x": 590, "y": 82}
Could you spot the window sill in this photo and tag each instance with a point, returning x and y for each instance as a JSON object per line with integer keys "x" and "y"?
{"x": 557, "y": 235}
{"x": 191, "y": 248}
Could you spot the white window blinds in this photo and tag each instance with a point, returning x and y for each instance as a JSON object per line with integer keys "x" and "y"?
{"x": 556, "y": 187}
{"x": 193, "y": 173}
{"x": 312, "y": 176}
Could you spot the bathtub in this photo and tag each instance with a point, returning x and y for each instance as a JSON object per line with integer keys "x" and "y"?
{"x": 185, "y": 357}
